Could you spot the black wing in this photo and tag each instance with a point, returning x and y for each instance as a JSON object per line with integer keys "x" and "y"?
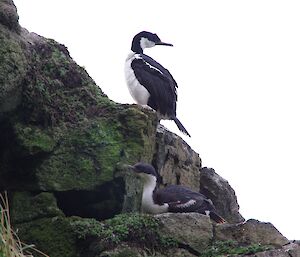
{"x": 159, "y": 82}
{"x": 183, "y": 199}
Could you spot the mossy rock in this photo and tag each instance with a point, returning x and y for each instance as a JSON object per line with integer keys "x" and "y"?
{"x": 13, "y": 67}
{"x": 53, "y": 236}
{"x": 130, "y": 228}
{"x": 8, "y": 15}
{"x": 28, "y": 206}
{"x": 75, "y": 236}
{"x": 61, "y": 136}
{"x": 84, "y": 157}
{"x": 33, "y": 140}
{"x": 60, "y": 131}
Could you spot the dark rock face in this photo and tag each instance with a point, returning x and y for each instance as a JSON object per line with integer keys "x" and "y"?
{"x": 8, "y": 15}
{"x": 176, "y": 162}
{"x": 221, "y": 193}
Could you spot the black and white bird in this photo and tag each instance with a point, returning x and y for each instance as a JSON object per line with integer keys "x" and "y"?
{"x": 173, "y": 198}
{"x": 149, "y": 83}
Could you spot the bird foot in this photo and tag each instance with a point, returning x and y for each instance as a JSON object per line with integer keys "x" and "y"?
{"x": 144, "y": 107}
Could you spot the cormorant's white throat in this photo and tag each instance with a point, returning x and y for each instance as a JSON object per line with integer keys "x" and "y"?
{"x": 148, "y": 204}
{"x": 149, "y": 83}
{"x": 173, "y": 198}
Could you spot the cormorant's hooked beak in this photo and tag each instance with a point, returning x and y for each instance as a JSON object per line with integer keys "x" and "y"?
{"x": 129, "y": 167}
{"x": 132, "y": 168}
{"x": 163, "y": 44}
{"x": 136, "y": 173}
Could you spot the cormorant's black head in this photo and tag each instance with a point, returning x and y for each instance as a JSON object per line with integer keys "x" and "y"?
{"x": 144, "y": 168}
{"x": 144, "y": 40}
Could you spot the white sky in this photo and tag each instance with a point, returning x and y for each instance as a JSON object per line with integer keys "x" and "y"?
{"x": 237, "y": 65}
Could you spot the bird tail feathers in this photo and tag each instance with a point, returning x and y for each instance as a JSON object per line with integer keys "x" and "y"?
{"x": 181, "y": 127}
{"x": 217, "y": 218}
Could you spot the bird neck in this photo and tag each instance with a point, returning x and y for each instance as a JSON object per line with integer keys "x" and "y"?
{"x": 148, "y": 204}
{"x": 136, "y": 45}
{"x": 149, "y": 185}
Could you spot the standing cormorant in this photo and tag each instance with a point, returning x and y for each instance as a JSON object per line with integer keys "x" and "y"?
{"x": 149, "y": 83}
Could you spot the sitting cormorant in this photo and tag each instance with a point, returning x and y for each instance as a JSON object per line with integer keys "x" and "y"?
{"x": 173, "y": 198}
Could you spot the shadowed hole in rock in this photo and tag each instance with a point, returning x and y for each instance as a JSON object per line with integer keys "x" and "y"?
{"x": 102, "y": 203}
{"x": 16, "y": 165}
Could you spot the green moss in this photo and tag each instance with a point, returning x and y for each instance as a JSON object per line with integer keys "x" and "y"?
{"x": 221, "y": 248}
{"x": 139, "y": 130}
{"x": 13, "y": 61}
{"x": 27, "y": 206}
{"x": 66, "y": 134}
{"x": 58, "y": 62}
{"x": 86, "y": 228}
{"x": 135, "y": 228}
{"x": 102, "y": 141}
{"x": 33, "y": 140}
{"x": 65, "y": 116}
{"x": 66, "y": 171}
{"x": 13, "y": 66}
{"x": 86, "y": 157}
{"x": 57, "y": 90}
{"x": 131, "y": 228}
{"x": 53, "y": 236}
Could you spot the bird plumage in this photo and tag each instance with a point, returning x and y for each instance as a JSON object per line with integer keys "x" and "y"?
{"x": 173, "y": 198}
{"x": 149, "y": 82}
{"x": 159, "y": 83}
{"x": 183, "y": 199}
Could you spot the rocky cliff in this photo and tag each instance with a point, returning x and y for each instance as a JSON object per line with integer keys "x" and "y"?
{"x": 63, "y": 144}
